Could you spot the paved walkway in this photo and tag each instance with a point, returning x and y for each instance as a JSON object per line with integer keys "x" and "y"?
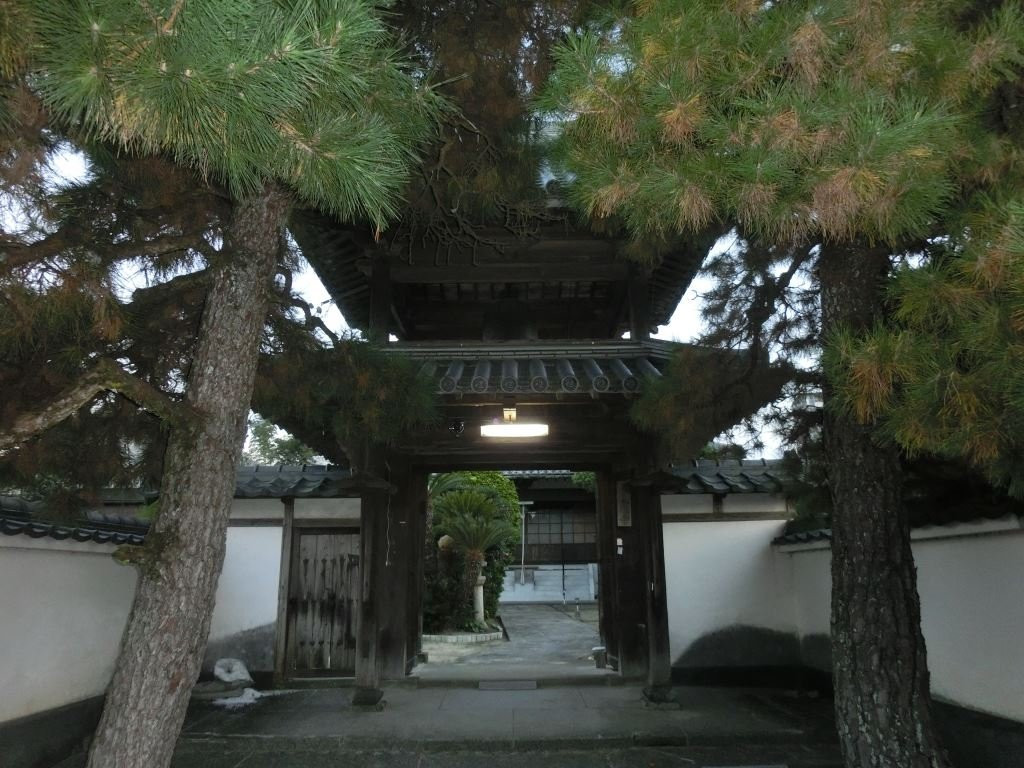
{"x": 569, "y": 727}
{"x": 546, "y": 643}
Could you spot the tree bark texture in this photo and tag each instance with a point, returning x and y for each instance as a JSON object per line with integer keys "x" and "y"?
{"x": 880, "y": 669}
{"x": 162, "y": 648}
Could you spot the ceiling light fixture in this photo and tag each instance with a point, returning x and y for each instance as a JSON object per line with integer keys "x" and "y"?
{"x": 509, "y": 426}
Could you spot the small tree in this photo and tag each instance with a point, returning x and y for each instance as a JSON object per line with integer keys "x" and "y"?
{"x": 473, "y": 522}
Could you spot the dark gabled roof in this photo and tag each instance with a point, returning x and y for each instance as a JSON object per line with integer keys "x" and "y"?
{"x": 108, "y": 525}
{"x": 36, "y": 530}
{"x": 340, "y": 255}
{"x": 539, "y": 367}
{"x": 305, "y": 481}
{"x": 804, "y": 537}
{"x": 724, "y": 476}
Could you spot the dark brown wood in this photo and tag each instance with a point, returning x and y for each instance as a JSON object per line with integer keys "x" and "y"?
{"x": 630, "y": 583}
{"x": 373, "y": 528}
{"x": 417, "y": 533}
{"x": 544, "y": 271}
{"x": 638, "y": 296}
{"x": 392, "y": 630}
{"x": 323, "y": 615}
{"x": 648, "y": 524}
{"x": 162, "y": 647}
{"x": 606, "y": 503}
{"x": 380, "y": 302}
{"x": 281, "y": 625}
{"x": 880, "y": 666}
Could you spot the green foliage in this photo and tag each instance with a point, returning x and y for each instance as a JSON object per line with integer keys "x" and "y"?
{"x": 352, "y": 392}
{"x": 701, "y": 393}
{"x": 473, "y": 522}
{"x": 441, "y": 609}
{"x": 267, "y": 446}
{"x": 310, "y": 94}
{"x": 719, "y": 451}
{"x": 945, "y": 376}
{"x": 821, "y": 123}
{"x": 585, "y": 480}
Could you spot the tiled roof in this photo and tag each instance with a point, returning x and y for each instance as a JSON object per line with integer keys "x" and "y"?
{"x": 36, "y": 530}
{"x": 564, "y": 367}
{"x": 306, "y": 481}
{"x": 804, "y": 537}
{"x": 110, "y": 525}
{"x": 725, "y": 476}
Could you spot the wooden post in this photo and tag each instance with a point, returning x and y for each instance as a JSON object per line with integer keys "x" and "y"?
{"x": 647, "y": 522}
{"x": 281, "y": 627}
{"x": 380, "y": 301}
{"x": 392, "y": 632}
{"x": 630, "y": 582}
{"x": 639, "y": 304}
{"x": 372, "y": 534}
{"x": 416, "y": 533}
{"x": 606, "y": 542}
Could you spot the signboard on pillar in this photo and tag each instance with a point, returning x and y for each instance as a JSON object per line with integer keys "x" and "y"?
{"x": 625, "y": 505}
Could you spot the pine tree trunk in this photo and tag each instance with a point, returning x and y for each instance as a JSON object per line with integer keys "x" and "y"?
{"x": 880, "y": 669}
{"x": 163, "y": 644}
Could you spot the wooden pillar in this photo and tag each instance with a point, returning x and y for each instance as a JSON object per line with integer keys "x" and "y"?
{"x": 373, "y": 536}
{"x": 392, "y": 629}
{"x": 630, "y": 582}
{"x": 648, "y": 524}
{"x": 606, "y": 544}
{"x": 281, "y": 670}
{"x": 417, "y": 533}
{"x": 639, "y": 303}
{"x": 380, "y": 301}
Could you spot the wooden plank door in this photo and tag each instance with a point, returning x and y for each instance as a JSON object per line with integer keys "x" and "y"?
{"x": 323, "y": 602}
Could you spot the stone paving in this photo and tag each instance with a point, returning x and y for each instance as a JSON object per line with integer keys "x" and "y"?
{"x": 546, "y": 643}
{"x": 603, "y": 726}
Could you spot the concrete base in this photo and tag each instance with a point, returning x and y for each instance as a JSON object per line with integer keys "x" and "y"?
{"x": 660, "y": 696}
{"x": 45, "y": 738}
{"x": 371, "y": 698}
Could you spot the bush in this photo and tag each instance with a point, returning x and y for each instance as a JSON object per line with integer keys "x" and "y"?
{"x": 445, "y": 603}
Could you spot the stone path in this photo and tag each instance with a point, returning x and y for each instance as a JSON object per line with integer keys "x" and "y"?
{"x": 546, "y": 643}
{"x": 569, "y": 727}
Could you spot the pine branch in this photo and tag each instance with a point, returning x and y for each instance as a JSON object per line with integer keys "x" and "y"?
{"x": 107, "y": 376}
{"x": 14, "y": 254}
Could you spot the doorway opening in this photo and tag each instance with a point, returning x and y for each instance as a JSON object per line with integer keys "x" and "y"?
{"x": 547, "y": 610}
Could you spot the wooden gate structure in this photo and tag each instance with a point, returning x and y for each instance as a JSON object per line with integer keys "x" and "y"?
{"x": 533, "y": 323}
{"x": 323, "y": 602}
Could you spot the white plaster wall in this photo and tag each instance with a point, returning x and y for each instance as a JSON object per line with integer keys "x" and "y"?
{"x": 972, "y": 611}
{"x": 248, "y": 586}
{"x": 721, "y": 574}
{"x": 754, "y": 503}
{"x": 259, "y": 509}
{"x": 63, "y": 608}
{"x": 687, "y": 504}
{"x": 328, "y": 509}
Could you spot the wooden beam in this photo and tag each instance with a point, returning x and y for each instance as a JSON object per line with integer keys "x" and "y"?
{"x": 380, "y": 302}
{"x": 373, "y": 536}
{"x": 606, "y": 541}
{"x": 648, "y": 524}
{"x": 639, "y": 304}
{"x": 417, "y": 537}
{"x": 281, "y": 626}
{"x": 398, "y": 561}
{"x": 537, "y": 272}
{"x": 630, "y": 586}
